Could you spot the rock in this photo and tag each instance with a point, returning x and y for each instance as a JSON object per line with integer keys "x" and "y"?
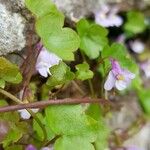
{"x": 123, "y": 118}
{"x": 77, "y": 9}
{"x": 82, "y": 8}
{"x": 18, "y": 3}
{"x": 141, "y": 139}
{"x": 126, "y": 112}
{"x": 12, "y": 27}
{"x": 13, "y": 5}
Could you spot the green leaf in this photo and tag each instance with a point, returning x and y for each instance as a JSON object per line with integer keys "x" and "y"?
{"x": 8, "y": 72}
{"x": 39, "y": 131}
{"x": 82, "y": 27}
{"x": 40, "y": 7}
{"x": 2, "y": 83}
{"x": 16, "y": 128}
{"x": 144, "y": 97}
{"x": 63, "y": 43}
{"x": 94, "y": 111}
{"x": 102, "y": 138}
{"x": 49, "y": 23}
{"x": 71, "y": 121}
{"x": 3, "y": 103}
{"x": 72, "y": 143}
{"x": 13, "y": 136}
{"x": 14, "y": 147}
{"x": 83, "y": 72}
{"x": 15, "y": 133}
{"x": 93, "y": 38}
{"x": 61, "y": 74}
{"x": 49, "y": 26}
{"x": 64, "y": 119}
{"x": 135, "y": 23}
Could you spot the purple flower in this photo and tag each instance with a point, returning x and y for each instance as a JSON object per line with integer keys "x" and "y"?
{"x": 30, "y": 147}
{"x": 118, "y": 77}
{"x": 45, "y": 61}
{"x": 107, "y": 16}
{"x": 145, "y": 66}
{"x": 137, "y": 46}
{"x": 132, "y": 148}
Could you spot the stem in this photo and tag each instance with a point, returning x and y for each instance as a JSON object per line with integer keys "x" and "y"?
{"x": 106, "y": 94}
{"x": 12, "y": 97}
{"x": 18, "y": 101}
{"x": 89, "y": 80}
{"x": 39, "y": 123}
{"x": 45, "y": 103}
{"x": 78, "y": 88}
{"x": 118, "y": 140}
{"x": 91, "y": 88}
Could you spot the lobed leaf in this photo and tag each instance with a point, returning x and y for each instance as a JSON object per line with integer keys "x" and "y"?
{"x": 40, "y": 7}
{"x": 93, "y": 38}
{"x": 8, "y": 72}
{"x": 72, "y": 143}
{"x": 61, "y": 74}
{"x": 135, "y": 23}
{"x": 83, "y": 72}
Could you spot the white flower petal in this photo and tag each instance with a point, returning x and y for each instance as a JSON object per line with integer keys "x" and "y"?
{"x": 147, "y": 73}
{"x": 120, "y": 85}
{"x": 115, "y": 20}
{"x": 110, "y": 82}
{"x": 43, "y": 72}
{"x": 46, "y": 148}
{"x": 108, "y": 17}
{"x": 24, "y": 114}
{"x": 137, "y": 46}
{"x": 35, "y": 110}
{"x": 54, "y": 59}
{"x": 45, "y": 61}
{"x": 146, "y": 68}
{"x": 128, "y": 74}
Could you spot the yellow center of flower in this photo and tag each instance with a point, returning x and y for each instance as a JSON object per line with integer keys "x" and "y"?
{"x": 120, "y": 77}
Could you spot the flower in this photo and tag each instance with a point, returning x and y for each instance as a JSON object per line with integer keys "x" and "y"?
{"x": 45, "y": 61}
{"x": 47, "y": 148}
{"x": 137, "y": 46}
{"x": 145, "y": 66}
{"x": 132, "y": 148}
{"x": 25, "y": 114}
{"x": 118, "y": 77}
{"x": 30, "y": 147}
{"x": 108, "y": 17}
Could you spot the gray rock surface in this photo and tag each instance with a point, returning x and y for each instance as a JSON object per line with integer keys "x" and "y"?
{"x": 77, "y": 9}
{"x": 128, "y": 113}
{"x": 13, "y": 5}
{"x": 18, "y": 3}
{"x": 12, "y": 27}
{"x": 82, "y": 8}
{"x": 141, "y": 139}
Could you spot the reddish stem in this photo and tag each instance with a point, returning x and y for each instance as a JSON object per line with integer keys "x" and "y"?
{"x": 45, "y": 103}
